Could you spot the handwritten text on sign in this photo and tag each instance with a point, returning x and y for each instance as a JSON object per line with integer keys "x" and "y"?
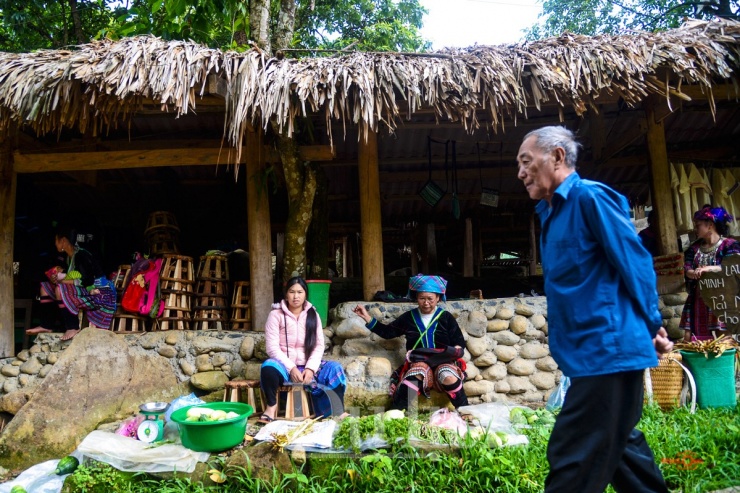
{"x": 721, "y": 292}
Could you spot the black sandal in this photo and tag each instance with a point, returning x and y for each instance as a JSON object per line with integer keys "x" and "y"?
{"x": 265, "y": 419}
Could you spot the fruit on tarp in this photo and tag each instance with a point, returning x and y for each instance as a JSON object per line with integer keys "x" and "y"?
{"x": 67, "y": 465}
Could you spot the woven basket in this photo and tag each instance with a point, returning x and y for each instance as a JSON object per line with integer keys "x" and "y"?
{"x": 667, "y": 381}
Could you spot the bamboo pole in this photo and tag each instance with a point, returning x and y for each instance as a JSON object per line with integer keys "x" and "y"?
{"x": 373, "y": 279}
{"x": 8, "y": 181}
{"x": 660, "y": 182}
{"x": 259, "y": 233}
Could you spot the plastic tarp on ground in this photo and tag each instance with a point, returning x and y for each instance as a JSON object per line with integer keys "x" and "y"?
{"x": 123, "y": 453}
{"x": 129, "y": 454}
{"x": 38, "y": 479}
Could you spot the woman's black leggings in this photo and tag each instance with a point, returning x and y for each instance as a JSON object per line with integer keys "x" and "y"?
{"x": 270, "y": 380}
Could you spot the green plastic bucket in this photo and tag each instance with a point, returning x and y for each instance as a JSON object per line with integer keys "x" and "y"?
{"x": 213, "y": 436}
{"x": 715, "y": 378}
{"x": 318, "y": 295}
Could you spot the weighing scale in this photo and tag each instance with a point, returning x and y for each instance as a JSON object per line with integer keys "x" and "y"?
{"x": 152, "y": 428}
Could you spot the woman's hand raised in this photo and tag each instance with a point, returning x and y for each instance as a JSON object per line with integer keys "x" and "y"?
{"x": 360, "y": 311}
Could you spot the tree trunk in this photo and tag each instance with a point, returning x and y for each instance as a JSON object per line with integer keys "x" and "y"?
{"x": 300, "y": 181}
{"x": 259, "y": 23}
{"x": 285, "y": 24}
{"x": 79, "y": 34}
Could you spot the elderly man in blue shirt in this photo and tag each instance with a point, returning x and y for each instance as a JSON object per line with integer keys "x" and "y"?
{"x": 603, "y": 319}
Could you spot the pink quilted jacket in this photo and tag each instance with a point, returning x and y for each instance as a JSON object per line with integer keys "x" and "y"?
{"x": 286, "y": 344}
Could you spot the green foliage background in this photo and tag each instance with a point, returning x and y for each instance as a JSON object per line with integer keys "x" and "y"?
{"x": 612, "y": 17}
{"x": 27, "y": 25}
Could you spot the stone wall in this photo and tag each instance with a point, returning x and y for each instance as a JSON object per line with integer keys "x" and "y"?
{"x": 507, "y": 352}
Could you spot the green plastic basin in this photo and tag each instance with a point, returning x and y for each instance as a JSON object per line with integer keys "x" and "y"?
{"x": 213, "y": 436}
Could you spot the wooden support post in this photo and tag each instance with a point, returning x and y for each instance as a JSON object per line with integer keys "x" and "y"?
{"x": 532, "y": 246}
{"x": 373, "y": 279}
{"x": 415, "y": 251}
{"x": 468, "y": 249}
{"x": 8, "y": 183}
{"x": 479, "y": 257}
{"x": 258, "y": 232}
{"x": 660, "y": 183}
{"x": 430, "y": 259}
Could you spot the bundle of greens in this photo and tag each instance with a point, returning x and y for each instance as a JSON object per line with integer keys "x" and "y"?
{"x": 390, "y": 427}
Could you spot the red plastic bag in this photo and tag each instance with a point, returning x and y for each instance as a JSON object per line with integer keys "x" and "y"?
{"x": 133, "y": 297}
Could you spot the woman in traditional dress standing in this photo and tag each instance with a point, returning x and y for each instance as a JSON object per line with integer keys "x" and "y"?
{"x": 434, "y": 344}
{"x": 705, "y": 255}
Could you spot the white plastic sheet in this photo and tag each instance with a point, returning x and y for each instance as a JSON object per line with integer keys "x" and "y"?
{"x": 128, "y": 454}
{"x": 320, "y": 437}
{"x": 39, "y": 478}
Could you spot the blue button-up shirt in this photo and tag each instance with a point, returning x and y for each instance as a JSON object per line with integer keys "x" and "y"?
{"x": 602, "y": 303}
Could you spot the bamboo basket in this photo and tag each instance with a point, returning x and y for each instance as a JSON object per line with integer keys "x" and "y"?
{"x": 666, "y": 381}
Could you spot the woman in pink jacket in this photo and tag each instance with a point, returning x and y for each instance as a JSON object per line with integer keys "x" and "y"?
{"x": 294, "y": 341}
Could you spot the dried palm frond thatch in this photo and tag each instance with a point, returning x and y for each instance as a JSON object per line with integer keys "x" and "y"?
{"x": 106, "y": 81}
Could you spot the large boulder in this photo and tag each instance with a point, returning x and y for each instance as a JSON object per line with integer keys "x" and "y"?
{"x": 98, "y": 379}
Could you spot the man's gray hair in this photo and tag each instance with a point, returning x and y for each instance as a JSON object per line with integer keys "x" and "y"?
{"x": 548, "y": 138}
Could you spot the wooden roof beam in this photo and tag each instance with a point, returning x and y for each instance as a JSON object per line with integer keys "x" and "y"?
{"x": 86, "y": 161}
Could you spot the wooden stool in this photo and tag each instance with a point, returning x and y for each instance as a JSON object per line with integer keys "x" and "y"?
{"x": 241, "y": 315}
{"x": 172, "y": 318}
{"x": 213, "y": 268}
{"x": 128, "y": 322}
{"x": 177, "y": 273}
{"x": 297, "y": 402}
{"x": 235, "y": 390}
{"x": 163, "y": 246}
{"x": 121, "y": 278}
{"x": 161, "y": 220}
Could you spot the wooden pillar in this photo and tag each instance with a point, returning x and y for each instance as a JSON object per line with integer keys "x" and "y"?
{"x": 415, "y": 251}
{"x": 7, "y": 228}
{"x": 258, "y": 232}
{"x": 532, "y": 246}
{"x": 660, "y": 183}
{"x": 430, "y": 258}
{"x": 479, "y": 256}
{"x": 468, "y": 249}
{"x": 373, "y": 279}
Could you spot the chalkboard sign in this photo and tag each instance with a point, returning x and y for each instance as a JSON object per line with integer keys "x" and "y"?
{"x": 721, "y": 292}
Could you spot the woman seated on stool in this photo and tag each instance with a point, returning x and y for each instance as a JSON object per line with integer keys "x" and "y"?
{"x": 294, "y": 341}
{"x": 83, "y": 287}
{"x": 426, "y": 327}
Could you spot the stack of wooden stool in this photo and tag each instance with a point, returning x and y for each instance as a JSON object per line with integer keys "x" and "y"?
{"x": 162, "y": 233}
{"x": 241, "y": 315}
{"x": 124, "y": 321}
{"x": 243, "y": 390}
{"x": 211, "y": 309}
{"x": 176, "y": 282}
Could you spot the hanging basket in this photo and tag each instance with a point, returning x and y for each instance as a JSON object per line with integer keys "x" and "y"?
{"x": 431, "y": 193}
{"x": 489, "y": 197}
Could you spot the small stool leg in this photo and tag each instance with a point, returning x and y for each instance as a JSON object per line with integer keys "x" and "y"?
{"x": 289, "y": 405}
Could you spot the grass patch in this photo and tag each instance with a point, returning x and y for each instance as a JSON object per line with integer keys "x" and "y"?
{"x": 696, "y": 452}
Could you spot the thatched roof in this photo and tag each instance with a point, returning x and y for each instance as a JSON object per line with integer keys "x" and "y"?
{"x": 105, "y": 81}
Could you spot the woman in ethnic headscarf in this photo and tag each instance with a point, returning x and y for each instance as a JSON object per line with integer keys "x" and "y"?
{"x": 434, "y": 344}
{"x": 705, "y": 255}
